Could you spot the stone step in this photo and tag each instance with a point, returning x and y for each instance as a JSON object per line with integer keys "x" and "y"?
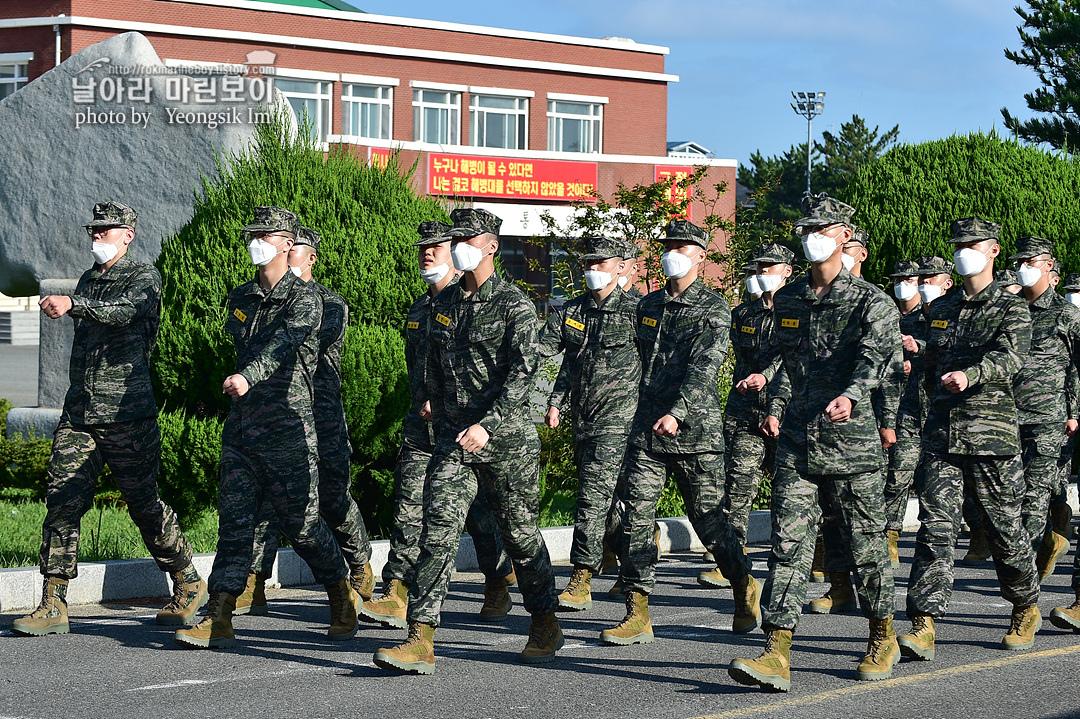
{"x": 18, "y": 304}
{"x": 20, "y": 328}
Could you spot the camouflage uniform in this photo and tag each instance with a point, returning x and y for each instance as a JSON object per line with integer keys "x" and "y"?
{"x": 833, "y": 346}
{"x": 336, "y": 505}
{"x": 109, "y": 415}
{"x": 749, "y": 452}
{"x": 598, "y": 383}
{"x": 269, "y": 449}
{"x": 683, "y": 342}
{"x": 1045, "y": 398}
{"x": 480, "y": 363}
{"x": 972, "y": 437}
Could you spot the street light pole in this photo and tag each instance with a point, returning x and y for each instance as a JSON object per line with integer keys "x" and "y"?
{"x": 809, "y": 105}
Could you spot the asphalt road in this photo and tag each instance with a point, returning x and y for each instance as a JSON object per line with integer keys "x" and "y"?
{"x": 117, "y": 663}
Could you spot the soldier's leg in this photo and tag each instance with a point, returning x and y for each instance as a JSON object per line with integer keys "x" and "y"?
{"x": 903, "y": 458}
{"x": 267, "y": 539}
{"x": 240, "y": 493}
{"x": 410, "y": 475}
{"x": 1041, "y": 448}
{"x": 999, "y": 487}
{"x": 336, "y": 504}
{"x": 941, "y": 481}
{"x": 796, "y": 516}
{"x": 861, "y": 515}
{"x": 600, "y": 459}
{"x": 700, "y": 478}
{"x": 133, "y": 452}
{"x": 645, "y": 476}
{"x": 491, "y": 556}
{"x": 836, "y": 559}
{"x": 746, "y": 454}
{"x": 615, "y": 538}
{"x": 74, "y": 466}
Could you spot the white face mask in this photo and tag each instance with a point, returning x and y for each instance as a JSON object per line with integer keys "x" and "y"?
{"x": 769, "y": 283}
{"x": 103, "y": 252}
{"x": 623, "y": 280}
{"x": 262, "y": 252}
{"x": 1073, "y": 297}
{"x": 818, "y": 247}
{"x": 675, "y": 264}
{"x": 905, "y": 291}
{"x": 1028, "y": 275}
{"x": 597, "y": 280}
{"x": 970, "y": 262}
{"x": 298, "y": 271}
{"x": 929, "y": 293}
{"x": 847, "y": 261}
{"x": 753, "y": 287}
{"x": 434, "y": 275}
{"x": 467, "y": 258}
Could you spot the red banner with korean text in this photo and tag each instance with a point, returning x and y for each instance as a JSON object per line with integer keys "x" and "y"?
{"x": 675, "y": 193}
{"x": 472, "y": 176}
{"x": 379, "y": 157}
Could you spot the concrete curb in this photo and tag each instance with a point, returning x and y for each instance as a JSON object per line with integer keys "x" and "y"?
{"x": 131, "y": 578}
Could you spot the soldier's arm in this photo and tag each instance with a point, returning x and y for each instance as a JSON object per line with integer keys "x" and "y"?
{"x": 707, "y": 355}
{"x": 890, "y": 390}
{"x": 1004, "y": 356}
{"x": 874, "y": 349}
{"x": 550, "y": 342}
{"x": 779, "y": 393}
{"x": 520, "y": 339}
{"x": 303, "y": 315}
{"x": 561, "y": 391}
{"x": 141, "y": 299}
{"x": 1072, "y": 374}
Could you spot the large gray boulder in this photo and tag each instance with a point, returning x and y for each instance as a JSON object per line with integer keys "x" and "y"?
{"x": 55, "y": 163}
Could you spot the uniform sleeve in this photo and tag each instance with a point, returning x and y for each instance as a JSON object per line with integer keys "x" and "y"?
{"x": 302, "y": 316}
{"x": 521, "y": 338}
{"x": 551, "y": 336}
{"x": 1072, "y": 373}
{"x": 874, "y": 349}
{"x": 779, "y": 393}
{"x": 886, "y": 397}
{"x": 561, "y": 391}
{"x": 706, "y": 357}
{"x": 1005, "y": 353}
{"x": 140, "y": 299}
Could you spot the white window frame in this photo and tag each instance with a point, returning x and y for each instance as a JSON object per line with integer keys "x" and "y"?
{"x": 522, "y": 112}
{"x": 324, "y": 115}
{"x": 351, "y": 104}
{"x": 595, "y": 115}
{"x": 18, "y": 61}
{"x": 453, "y": 109}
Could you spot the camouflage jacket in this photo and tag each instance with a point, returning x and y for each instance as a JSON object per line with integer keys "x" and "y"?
{"x": 986, "y": 338}
{"x": 276, "y": 335}
{"x": 417, "y": 327}
{"x": 481, "y": 360}
{"x": 837, "y": 345}
{"x": 756, "y": 352}
{"x": 913, "y": 400}
{"x": 116, "y": 324}
{"x": 1044, "y": 390}
{"x": 600, "y": 372}
{"x": 335, "y": 321}
{"x": 683, "y": 343}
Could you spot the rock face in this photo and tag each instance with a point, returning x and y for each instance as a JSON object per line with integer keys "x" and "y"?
{"x": 65, "y": 147}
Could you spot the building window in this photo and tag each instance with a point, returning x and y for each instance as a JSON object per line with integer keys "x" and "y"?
{"x": 436, "y": 117}
{"x": 574, "y": 126}
{"x": 366, "y": 111}
{"x": 309, "y": 97}
{"x": 498, "y": 121}
{"x": 13, "y": 75}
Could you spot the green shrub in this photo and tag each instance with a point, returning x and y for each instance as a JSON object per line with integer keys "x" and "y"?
{"x": 190, "y": 454}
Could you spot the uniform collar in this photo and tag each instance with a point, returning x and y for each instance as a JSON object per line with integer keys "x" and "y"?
{"x": 1046, "y": 299}
{"x": 116, "y": 270}
{"x": 837, "y": 292}
{"x": 610, "y": 304}
{"x": 279, "y": 290}
{"x": 689, "y": 297}
{"x": 482, "y": 294}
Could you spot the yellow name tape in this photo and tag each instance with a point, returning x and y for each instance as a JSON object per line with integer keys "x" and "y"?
{"x": 789, "y": 323}
{"x": 239, "y": 315}
{"x": 413, "y": 325}
{"x": 748, "y": 330}
{"x": 648, "y": 321}
{"x": 575, "y": 324}
{"x": 442, "y": 319}
{"x": 939, "y": 324}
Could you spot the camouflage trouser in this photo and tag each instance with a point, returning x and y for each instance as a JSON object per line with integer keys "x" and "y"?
{"x": 512, "y": 487}
{"x": 133, "y": 451}
{"x": 410, "y": 476}
{"x": 700, "y": 478}
{"x": 616, "y": 540}
{"x": 797, "y": 503}
{"x": 336, "y": 505}
{"x": 998, "y": 483}
{"x": 599, "y": 460}
{"x": 903, "y": 459}
{"x": 1040, "y": 447}
{"x": 749, "y": 454}
{"x": 287, "y": 479}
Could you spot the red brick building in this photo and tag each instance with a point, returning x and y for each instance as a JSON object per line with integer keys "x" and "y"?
{"x": 519, "y": 122}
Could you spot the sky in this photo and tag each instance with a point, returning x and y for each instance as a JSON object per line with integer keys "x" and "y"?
{"x": 933, "y": 67}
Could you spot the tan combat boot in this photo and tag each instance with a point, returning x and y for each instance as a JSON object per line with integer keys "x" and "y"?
{"x": 416, "y": 655}
{"x": 713, "y": 578}
{"x": 894, "y": 547}
{"x": 771, "y": 670}
{"x": 635, "y": 628}
{"x": 1025, "y": 622}
{"x": 747, "y": 596}
{"x": 919, "y": 644}
{"x": 344, "y": 606}
{"x": 545, "y": 638}
{"x": 390, "y": 609}
{"x": 1053, "y": 546}
{"x": 496, "y": 600}
{"x": 817, "y": 569}
{"x": 882, "y": 652}
{"x": 253, "y": 600}
{"x": 215, "y": 631}
{"x": 189, "y": 595}
{"x": 51, "y": 615}
{"x": 578, "y": 594}
{"x": 1067, "y": 617}
{"x": 840, "y": 599}
{"x": 362, "y": 580}
{"x": 978, "y": 548}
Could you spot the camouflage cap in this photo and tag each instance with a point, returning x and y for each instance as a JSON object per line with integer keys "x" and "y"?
{"x": 906, "y": 268}
{"x": 1030, "y": 246}
{"x": 974, "y": 229}
{"x": 686, "y": 231}
{"x": 773, "y": 253}
{"x": 1072, "y": 282}
{"x": 749, "y": 268}
{"x": 271, "y": 219}
{"x": 432, "y": 233}
{"x": 601, "y": 248}
{"x": 859, "y": 236}
{"x": 933, "y": 265}
{"x": 630, "y": 249}
{"x": 821, "y": 210}
{"x": 307, "y": 236}
{"x": 1006, "y": 277}
{"x": 470, "y": 222}
{"x": 112, "y": 214}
